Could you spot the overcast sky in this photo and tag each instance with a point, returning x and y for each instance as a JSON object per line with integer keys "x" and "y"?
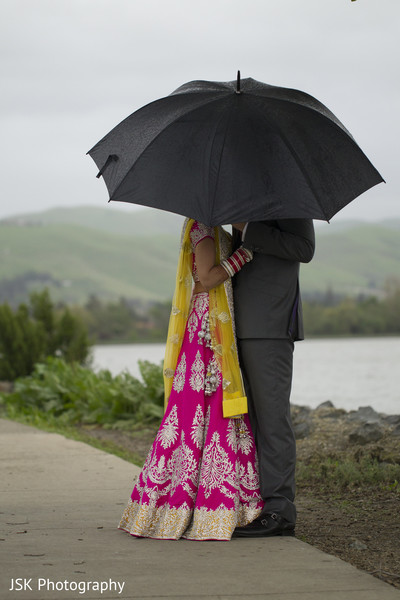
{"x": 72, "y": 69}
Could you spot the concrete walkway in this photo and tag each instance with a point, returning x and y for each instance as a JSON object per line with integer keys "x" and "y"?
{"x": 60, "y": 504}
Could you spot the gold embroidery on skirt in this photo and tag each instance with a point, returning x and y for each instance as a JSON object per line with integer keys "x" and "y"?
{"x": 166, "y": 522}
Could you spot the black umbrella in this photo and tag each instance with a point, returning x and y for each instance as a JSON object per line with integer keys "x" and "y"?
{"x": 235, "y": 151}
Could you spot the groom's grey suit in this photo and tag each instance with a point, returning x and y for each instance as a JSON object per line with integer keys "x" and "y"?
{"x": 269, "y": 319}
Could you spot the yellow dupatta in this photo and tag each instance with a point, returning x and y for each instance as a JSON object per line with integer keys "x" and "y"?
{"x": 223, "y": 340}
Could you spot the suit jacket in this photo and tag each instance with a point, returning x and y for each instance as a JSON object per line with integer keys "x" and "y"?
{"x": 266, "y": 291}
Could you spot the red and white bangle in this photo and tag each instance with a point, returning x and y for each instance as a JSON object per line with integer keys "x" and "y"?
{"x": 237, "y": 260}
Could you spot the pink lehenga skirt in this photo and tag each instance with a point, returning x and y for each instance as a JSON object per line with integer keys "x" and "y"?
{"x": 200, "y": 479}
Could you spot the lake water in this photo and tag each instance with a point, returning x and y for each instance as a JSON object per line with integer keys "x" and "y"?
{"x": 350, "y": 372}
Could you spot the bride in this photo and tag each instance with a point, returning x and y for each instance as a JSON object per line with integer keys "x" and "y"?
{"x": 200, "y": 479}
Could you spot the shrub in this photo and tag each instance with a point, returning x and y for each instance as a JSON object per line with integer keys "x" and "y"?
{"x": 72, "y": 393}
{"x": 31, "y": 333}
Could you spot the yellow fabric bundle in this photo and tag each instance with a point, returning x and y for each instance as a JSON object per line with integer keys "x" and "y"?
{"x": 179, "y": 311}
{"x": 221, "y": 329}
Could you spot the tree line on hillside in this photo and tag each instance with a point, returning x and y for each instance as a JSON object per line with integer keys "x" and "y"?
{"x": 16, "y": 289}
{"x": 133, "y": 321}
{"x": 35, "y": 330}
{"x": 327, "y": 315}
{"x": 364, "y": 315}
{"x": 125, "y": 321}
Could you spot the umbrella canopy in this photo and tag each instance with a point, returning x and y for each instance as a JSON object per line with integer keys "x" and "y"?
{"x": 235, "y": 151}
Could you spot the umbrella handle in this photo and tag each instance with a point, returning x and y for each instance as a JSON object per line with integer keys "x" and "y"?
{"x": 111, "y": 158}
{"x": 238, "y": 91}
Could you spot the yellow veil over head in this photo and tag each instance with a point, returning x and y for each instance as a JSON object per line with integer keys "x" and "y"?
{"x": 221, "y": 319}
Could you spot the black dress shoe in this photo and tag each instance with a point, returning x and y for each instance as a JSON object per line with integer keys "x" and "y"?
{"x": 266, "y": 526}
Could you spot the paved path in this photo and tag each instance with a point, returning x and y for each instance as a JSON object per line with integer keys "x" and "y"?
{"x": 60, "y": 504}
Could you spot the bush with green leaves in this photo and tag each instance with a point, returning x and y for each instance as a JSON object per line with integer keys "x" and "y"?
{"x": 32, "y": 332}
{"x": 72, "y": 394}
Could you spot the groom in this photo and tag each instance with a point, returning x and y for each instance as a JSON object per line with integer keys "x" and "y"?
{"x": 268, "y": 318}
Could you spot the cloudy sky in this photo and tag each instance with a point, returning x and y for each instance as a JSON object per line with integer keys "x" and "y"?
{"x": 72, "y": 69}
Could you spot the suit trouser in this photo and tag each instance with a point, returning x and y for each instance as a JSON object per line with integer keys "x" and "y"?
{"x": 267, "y": 373}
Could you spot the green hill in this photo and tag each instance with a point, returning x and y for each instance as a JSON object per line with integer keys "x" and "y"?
{"x": 109, "y": 219}
{"x": 112, "y": 253}
{"x": 354, "y": 259}
{"x": 75, "y": 262}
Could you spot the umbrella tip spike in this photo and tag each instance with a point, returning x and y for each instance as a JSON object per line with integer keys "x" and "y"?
{"x": 238, "y": 91}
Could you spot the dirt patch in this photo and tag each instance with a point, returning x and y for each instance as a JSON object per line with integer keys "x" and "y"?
{"x": 362, "y": 528}
{"x": 137, "y": 443}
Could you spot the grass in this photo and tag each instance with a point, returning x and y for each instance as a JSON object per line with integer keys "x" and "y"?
{"x": 348, "y": 472}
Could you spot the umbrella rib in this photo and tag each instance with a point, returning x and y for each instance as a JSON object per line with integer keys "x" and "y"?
{"x": 220, "y": 156}
{"x": 160, "y": 133}
{"x": 336, "y": 123}
{"x": 297, "y": 159}
{"x": 329, "y": 114}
